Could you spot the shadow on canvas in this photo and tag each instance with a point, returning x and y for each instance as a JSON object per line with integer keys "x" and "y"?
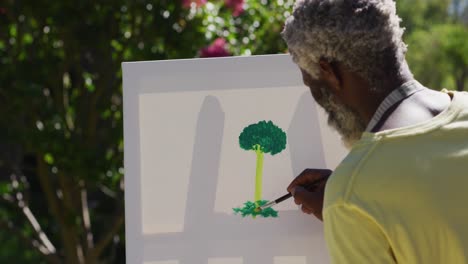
{"x": 221, "y": 238}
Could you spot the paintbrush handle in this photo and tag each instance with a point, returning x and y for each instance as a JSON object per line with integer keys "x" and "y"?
{"x": 289, "y": 195}
{"x": 284, "y": 197}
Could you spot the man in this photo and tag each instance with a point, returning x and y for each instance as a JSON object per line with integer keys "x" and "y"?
{"x": 400, "y": 196}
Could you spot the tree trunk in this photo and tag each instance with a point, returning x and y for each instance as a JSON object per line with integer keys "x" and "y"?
{"x": 68, "y": 236}
{"x": 258, "y": 175}
{"x": 460, "y": 81}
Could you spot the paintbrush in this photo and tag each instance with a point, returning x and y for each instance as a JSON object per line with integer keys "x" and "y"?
{"x": 287, "y": 196}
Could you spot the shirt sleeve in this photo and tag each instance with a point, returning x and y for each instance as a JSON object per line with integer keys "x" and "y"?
{"x": 352, "y": 237}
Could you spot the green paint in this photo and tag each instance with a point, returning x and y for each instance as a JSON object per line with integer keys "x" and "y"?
{"x": 258, "y": 174}
{"x": 249, "y": 210}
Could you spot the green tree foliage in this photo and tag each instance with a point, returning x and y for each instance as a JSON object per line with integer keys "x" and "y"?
{"x": 61, "y": 158}
{"x": 263, "y": 136}
{"x": 61, "y": 146}
{"x": 439, "y": 56}
{"x": 436, "y": 33}
{"x": 422, "y": 14}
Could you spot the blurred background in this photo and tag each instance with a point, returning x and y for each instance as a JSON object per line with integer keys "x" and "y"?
{"x": 61, "y": 145}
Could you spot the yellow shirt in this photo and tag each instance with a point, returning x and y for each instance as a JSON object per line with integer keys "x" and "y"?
{"x": 401, "y": 195}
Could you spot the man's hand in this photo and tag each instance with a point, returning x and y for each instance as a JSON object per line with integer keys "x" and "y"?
{"x": 306, "y": 195}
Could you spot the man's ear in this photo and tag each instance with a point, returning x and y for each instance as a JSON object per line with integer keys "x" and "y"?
{"x": 331, "y": 74}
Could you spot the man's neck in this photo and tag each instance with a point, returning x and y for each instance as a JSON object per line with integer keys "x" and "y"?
{"x": 418, "y": 107}
{"x": 393, "y": 82}
{"x": 386, "y": 87}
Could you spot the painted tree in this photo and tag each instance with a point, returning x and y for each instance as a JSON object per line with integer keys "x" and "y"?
{"x": 262, "y": 137}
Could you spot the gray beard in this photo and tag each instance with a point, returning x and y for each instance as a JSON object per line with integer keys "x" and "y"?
{"x": 343, "y": 119}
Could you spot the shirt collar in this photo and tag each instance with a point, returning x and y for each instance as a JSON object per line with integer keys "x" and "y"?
{"x": 397, "y": 95}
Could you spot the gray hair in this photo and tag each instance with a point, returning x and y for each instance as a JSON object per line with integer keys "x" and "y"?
{"x": 364, "y": 35}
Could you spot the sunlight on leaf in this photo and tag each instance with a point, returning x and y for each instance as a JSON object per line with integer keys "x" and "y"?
{"x": 49, "y": 159}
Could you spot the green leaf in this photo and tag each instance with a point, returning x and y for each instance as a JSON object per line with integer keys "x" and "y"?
{"x": 88, "y": 81}
{"x": 4, "y": 188}
{"x": 49, "y": 159}
{"x": 13, "y": 30}
{"x": 109, "y": 154}
{"x": 116, "y": 45}
{"x": 27, "y": 39}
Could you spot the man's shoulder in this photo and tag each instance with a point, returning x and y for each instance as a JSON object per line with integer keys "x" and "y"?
{"x": 340, "y": 183}
{"x": 369, "y": 167}
{"x": 380, "y": 162}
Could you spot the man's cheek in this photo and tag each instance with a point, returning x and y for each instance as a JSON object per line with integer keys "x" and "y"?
{"x": 317, "y": 94}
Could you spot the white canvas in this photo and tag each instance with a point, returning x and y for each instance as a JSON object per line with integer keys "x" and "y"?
{"x": 185, "y": 170}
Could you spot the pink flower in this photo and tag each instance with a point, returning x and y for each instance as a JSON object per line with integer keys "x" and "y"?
{"x": 216, "y": 49}
{"x": 237, "y": 6}
{"x": 188, "y": 3}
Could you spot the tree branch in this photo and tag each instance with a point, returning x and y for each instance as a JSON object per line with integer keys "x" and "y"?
{"x": 86, "y": 217}
{"x": 107, "y": 238}
{"x": 460, "y": 80}
{"x": 71, "y": 248}
{"x": 36, "y": 226}
{"x": 30, "y": 243}
{"x": 24, "y": 207}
